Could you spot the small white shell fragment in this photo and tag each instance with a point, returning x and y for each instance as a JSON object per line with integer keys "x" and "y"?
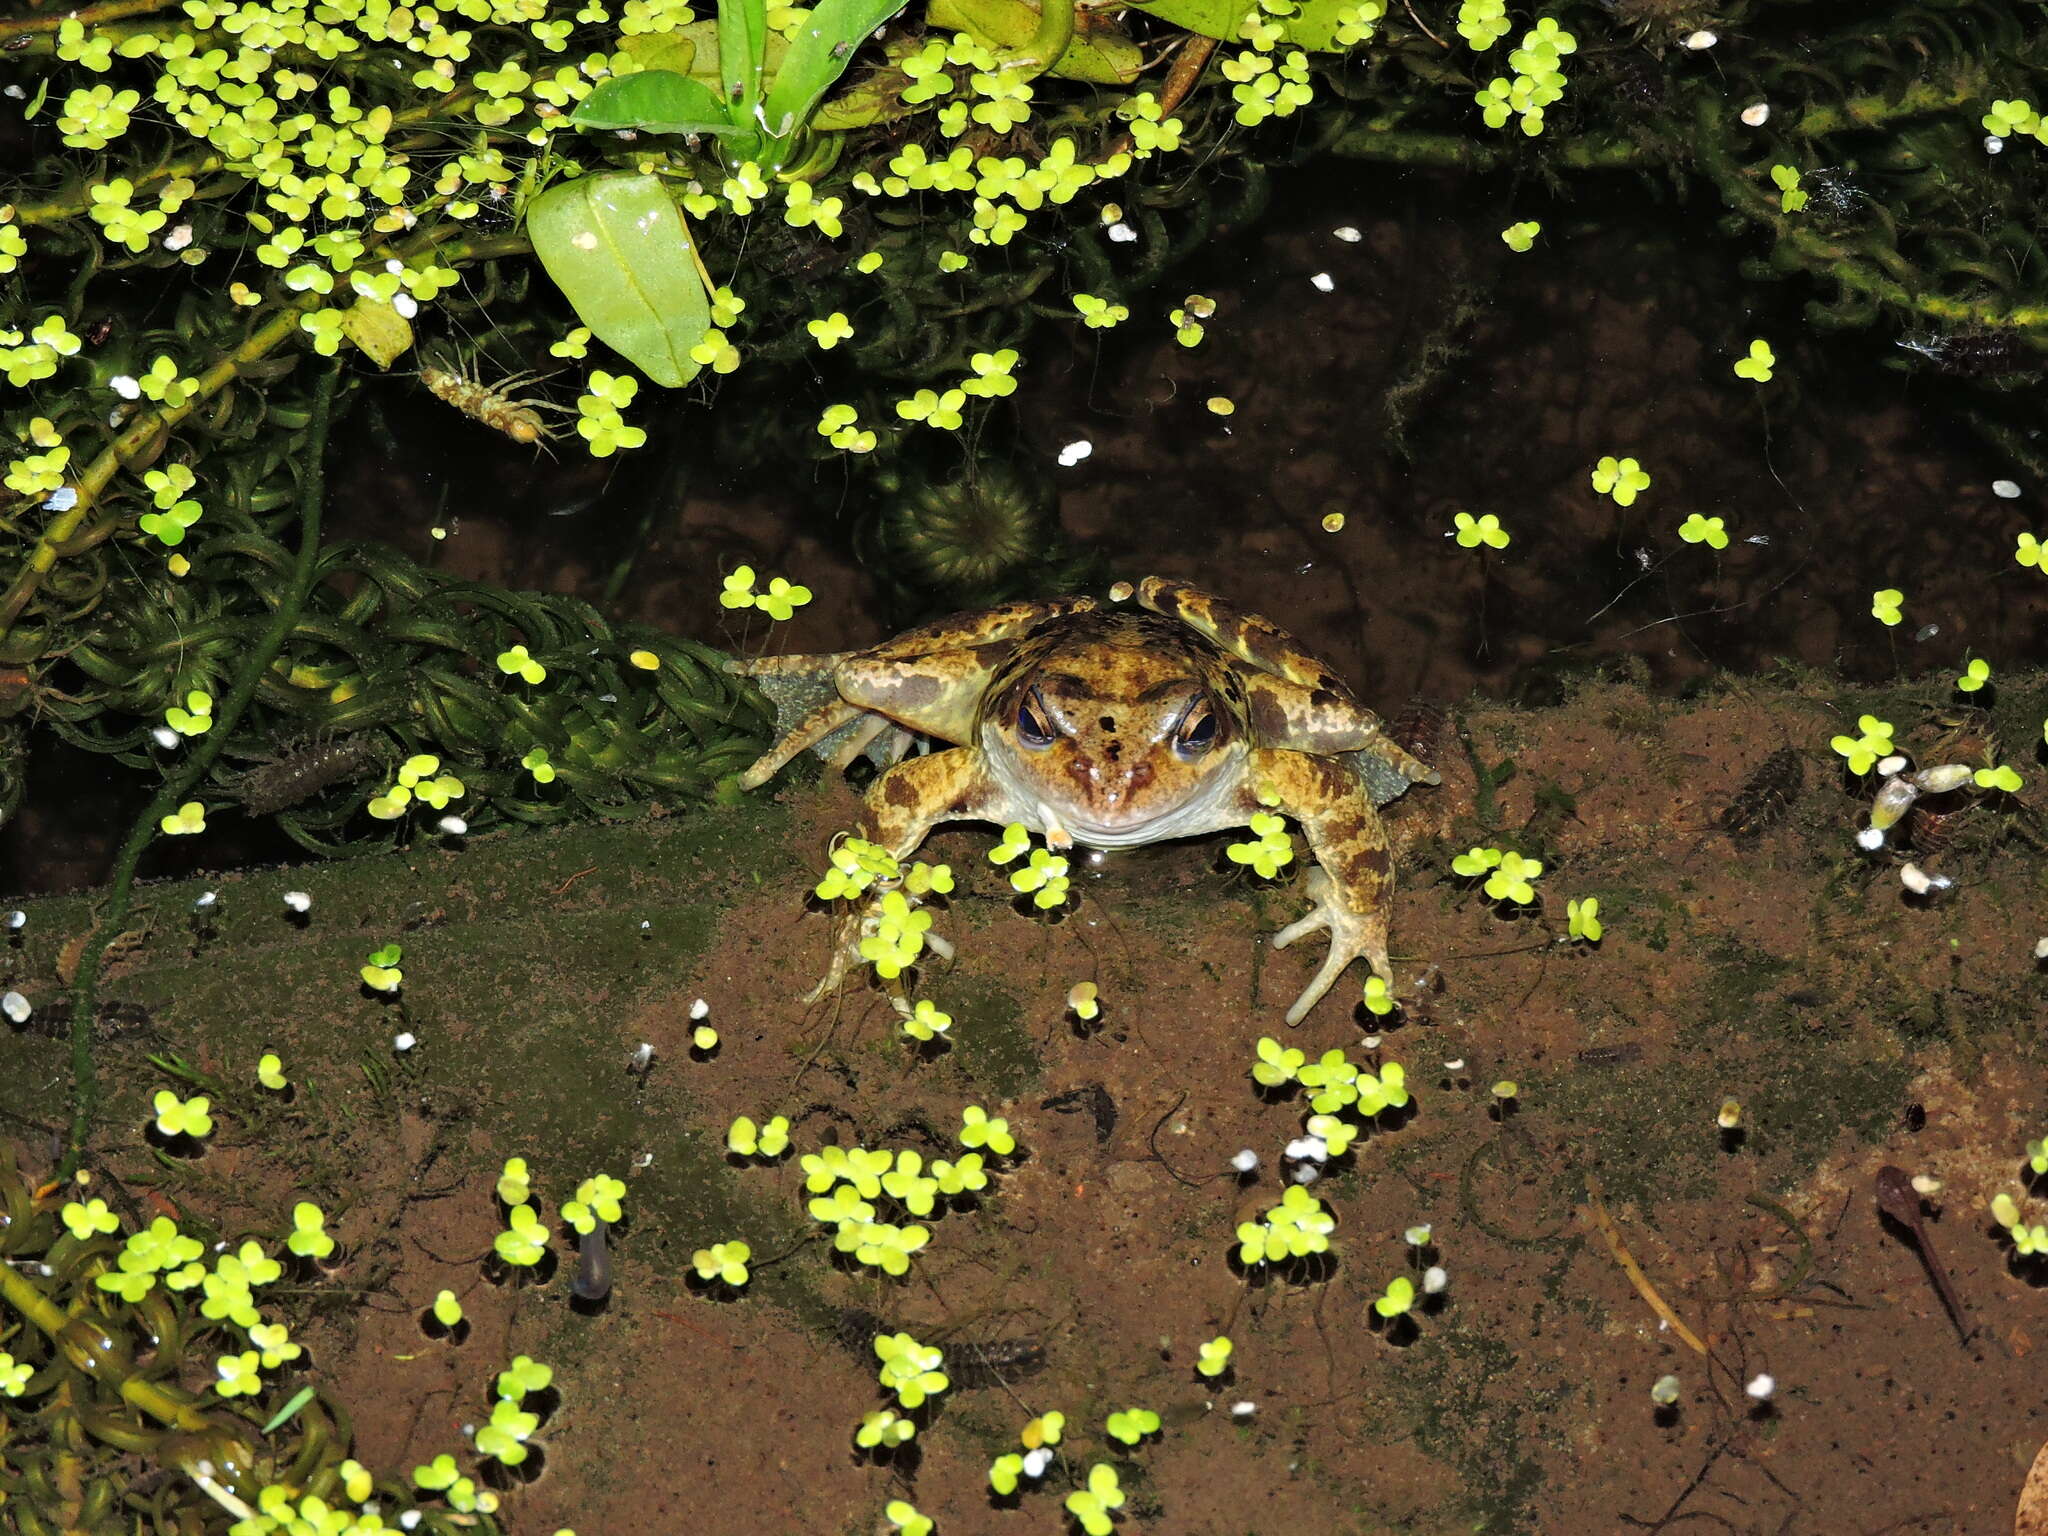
{"x": 62, "y": 499}
{"x": 1455, "y": 1066}
{"x": 1925, "y": 1185}
{"x": 1888, "y": 766}
{"x": 1122, "y": 234}
{"x": 15, "y": 1006}
{"x": 1870, "y": 839}
{"x": 1323, "y": 282}
{"x": 1761, "y": 1386}
{"x": 178, "y": 238}
{"x": 1348, "y": 234}
{"x": 124, "y": 385}
{"x": 1307, "y": 1173}
{"x": 205, "y": 900}
{"x": 453, "y": 826}
{"x": 404, "y": 1041}
{"x": 700, "y": 1009}
{"x": 1993, "y": 144}
{"x": 1942, "y": 778}
{"x": 1756, "y": 116}
{"x": 1700, "y": 40}
{"x": 1920, "y": 883}
{"x": 1308, "y": 1148}
{"x": 1243, "y": 1410}
{"x": 2041, "y": 949}
{"x": 298, "y": 901}
{"x": 1075, "y": 452}
{"x": 1434, "y": 1279}
{"x": 165, "y": 737}
{"x": 17, "y": 920}
{"x": 1035, "y": 1462}
{"x": 2005, "y": 488}
{"x": 1245, "y": 1161}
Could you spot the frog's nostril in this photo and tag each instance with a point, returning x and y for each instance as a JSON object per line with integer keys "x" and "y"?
{"x": 1109, "y": 724}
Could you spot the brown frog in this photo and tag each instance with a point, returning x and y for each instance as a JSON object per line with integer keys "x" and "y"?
{"x": 1113, "y": 727}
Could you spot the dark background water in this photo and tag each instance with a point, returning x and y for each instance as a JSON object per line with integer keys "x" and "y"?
{"x": 1440, "y": 373}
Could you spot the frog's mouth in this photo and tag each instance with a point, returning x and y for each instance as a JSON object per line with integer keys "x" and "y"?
{"x": 1127, "y": 816}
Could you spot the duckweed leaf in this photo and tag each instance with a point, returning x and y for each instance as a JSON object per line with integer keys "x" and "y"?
{"x": 617, "y": 248}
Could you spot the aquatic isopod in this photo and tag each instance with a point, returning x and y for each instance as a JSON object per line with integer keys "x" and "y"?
{"x": 494, "y": 405}
{"x": 300, "y": 774}
{"x": 1766, "y": 795}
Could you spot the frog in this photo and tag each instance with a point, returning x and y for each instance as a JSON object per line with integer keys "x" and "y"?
{"x": 1111, "y": 727}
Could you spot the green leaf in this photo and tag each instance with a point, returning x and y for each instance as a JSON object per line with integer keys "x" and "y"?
{"x": 655, "y": 101}
{"x": 1312, "y": 26}
{"x": 617, "y": 248}
{"x": 1100, "y": 57}
{"x": 285, "y": 1414}
{"x": 824, "y": 46}
{"x": 742, "y": 46}
{"x": 661, "y": 50}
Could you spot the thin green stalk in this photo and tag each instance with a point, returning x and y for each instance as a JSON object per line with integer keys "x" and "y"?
{"x": 85, "y": 1087}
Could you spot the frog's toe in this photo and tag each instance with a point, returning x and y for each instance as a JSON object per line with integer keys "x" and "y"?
{"x": 1353, "y": 936}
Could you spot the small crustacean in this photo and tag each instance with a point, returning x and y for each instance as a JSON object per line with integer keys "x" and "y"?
{"x": 302, "y": 770}
{"x": 1765, "y": 797}
{"x": 494, "y": 405}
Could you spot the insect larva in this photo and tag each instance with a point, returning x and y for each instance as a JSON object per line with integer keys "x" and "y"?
{"x": 299, "y": 775}
{"x": 494, "y": 405}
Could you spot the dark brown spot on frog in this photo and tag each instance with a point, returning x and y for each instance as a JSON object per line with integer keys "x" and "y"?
{"x": 1268, "y": 718}
{"x": 915, "y": 691}
{"x": 897, "y": 791}
{"x": 1367, "y": 864}
{"x": 1323, "y": 698}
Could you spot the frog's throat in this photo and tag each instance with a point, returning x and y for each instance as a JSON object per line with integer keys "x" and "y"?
{"x": 1209, "y": 806}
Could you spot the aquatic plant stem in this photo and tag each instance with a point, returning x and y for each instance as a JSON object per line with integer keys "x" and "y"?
{"x": 84, "y": 1076}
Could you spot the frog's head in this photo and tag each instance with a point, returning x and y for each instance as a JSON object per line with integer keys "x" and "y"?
{"x": 1120, "y": 735}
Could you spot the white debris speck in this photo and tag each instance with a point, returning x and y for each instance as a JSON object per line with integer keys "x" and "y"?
{"x": 642, "y": 1056}
{"x": 63, "y": 499}
{"x": 1925, "y": 1185}
{"x": 1993, "y": 144}
{"x": 205, "y": 900}
{"x": 2040, "y": 948}
{"x": 405, "y": 304}
{"x": 1455, "y": 1066}
{"x": 1434, "y": 1279}
{"x": 394, "y": 266}
{"x": 178, "y": 238}
{"x": 1758, "y": 115}
{"x": 404, "y": 1041}
{"x": 2006, "y": 488}
{"x": 1247, "y": 1160}
{"x": 1243, "y": 1410}
{"x": 1417, "y": 1235}
{"x": 700, "y": 1009}
{"x": 454, "y": 826}
{"x": 17, "y": 920}
{"x": 1035, "y": 1462}
{"x": 1372, "y": 1042}
{"x": 1308, "y": 1148}
{"x": 1323, "y": 282}
{"x": 1761, "y": 1386}
{"x": 1870, "y": 839}
{"x": 1887, "y": 766}
{"x": 15, "y": 1006}
{"x": 1122, "y": 234}
{"x": 411, "y": 1518}
{"x": 1075, "y": 452}
{"x": 1701, "y": 40}
{"x": 1307, "y": 1173}
{"x": 14, "y": 93}
{"x": 1348, "y": 234}
{"x": 644, "y": 1160}
{"x": 166, "y": 738}
{"x": 298, "y": 901}
{"x": 124, "y": 385}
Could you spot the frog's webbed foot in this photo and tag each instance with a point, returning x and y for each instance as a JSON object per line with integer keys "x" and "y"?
{"x": 1353, "y": 936}
{"x": 854, "y": 926}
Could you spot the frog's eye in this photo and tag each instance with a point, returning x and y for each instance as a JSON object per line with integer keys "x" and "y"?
{"x": 1197, "y": 732}
{"x": 1031, "y": 726}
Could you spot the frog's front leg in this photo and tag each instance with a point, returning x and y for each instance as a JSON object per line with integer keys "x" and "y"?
{"x": 1353, "y": 883}
{"x": 902, "y": 807}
